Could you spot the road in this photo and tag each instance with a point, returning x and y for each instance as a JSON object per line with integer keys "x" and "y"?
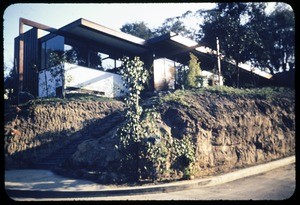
{"x": 278, "y": 184}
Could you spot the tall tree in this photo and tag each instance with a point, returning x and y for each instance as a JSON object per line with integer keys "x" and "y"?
{"x": 278, "y": 39}
{"x": 172, "y": 24}
{"x": 247, "y": 33}
{"x": 228, "y": 22}
{"x": 138, "y": 29}
{"x": 176, "y": 24}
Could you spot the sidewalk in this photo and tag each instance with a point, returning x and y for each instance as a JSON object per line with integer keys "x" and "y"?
{"x": 45, "y": 184}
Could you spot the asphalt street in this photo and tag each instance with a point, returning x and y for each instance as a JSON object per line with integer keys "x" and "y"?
{"x": 277, "y": 184}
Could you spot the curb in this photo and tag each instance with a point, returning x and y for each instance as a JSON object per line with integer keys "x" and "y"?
{"x": 164, "y": 188}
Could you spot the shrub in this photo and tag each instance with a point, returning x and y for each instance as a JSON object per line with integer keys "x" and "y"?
{"x": 193, "y": 72}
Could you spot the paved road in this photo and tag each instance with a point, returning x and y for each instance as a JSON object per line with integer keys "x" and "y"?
{"x": 277, "y": 184}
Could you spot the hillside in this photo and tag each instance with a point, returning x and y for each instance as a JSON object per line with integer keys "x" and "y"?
{"x": 196, "y": 134}
{"x": 193, "y": 134}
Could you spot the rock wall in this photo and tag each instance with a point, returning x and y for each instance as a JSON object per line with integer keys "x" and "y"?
{"x": 40, "y": 130}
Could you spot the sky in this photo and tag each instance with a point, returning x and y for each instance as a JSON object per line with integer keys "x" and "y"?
{"x": 109, "y": 15}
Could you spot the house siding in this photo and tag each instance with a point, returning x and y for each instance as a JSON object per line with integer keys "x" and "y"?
{"x": 30, "y": 61}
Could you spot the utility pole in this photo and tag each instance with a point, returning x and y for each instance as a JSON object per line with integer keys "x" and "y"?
{"x": 219, "y": 60}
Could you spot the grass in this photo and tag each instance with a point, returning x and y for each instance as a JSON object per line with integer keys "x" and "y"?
{"x": 269, "y": 93}
{"x": 264, "y": 92}
{"x": 179, "y": 96}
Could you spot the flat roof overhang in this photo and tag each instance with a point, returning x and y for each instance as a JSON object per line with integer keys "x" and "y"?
{"x": 114, "y": 42}
{"x": 178, "y": 48}
{"x": 172, "y": 46}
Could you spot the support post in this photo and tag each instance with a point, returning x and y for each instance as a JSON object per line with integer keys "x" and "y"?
{"x": 219, "y": 60}
{"x": 21, "y": 55}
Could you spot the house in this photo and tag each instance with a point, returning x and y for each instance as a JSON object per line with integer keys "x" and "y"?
{"x": 93, "y": 52}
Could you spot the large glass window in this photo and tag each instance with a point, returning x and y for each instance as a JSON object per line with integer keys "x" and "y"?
{"x": 77, "y": 52}
{"x": 48, "y": 48}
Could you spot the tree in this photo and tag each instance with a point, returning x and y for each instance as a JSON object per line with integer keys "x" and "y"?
{"x": 247, "y": 33}
{"x": 11, "y": 83}
{"x": 277, "y": 32}
{"x": 138, "y": 29}
{"x": 176, "y": 25}
{"x": 171, "y": 24}
{"x": 193, "y": 72}
{"x": 228, "y": 22}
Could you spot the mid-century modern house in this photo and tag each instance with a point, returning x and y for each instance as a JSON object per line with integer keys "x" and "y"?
{"x": 93, "y": 53}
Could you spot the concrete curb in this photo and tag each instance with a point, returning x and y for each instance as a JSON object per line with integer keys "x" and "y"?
{"x": 164, "y": 188}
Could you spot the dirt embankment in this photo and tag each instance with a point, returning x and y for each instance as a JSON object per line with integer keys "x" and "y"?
{"x": 231, "y": 132}
{"x": 41, "y": 129}
{"x": 227, "y": 132}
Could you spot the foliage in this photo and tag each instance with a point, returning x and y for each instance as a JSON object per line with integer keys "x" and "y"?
{"x": 270, "y": 93}
{"x": 56, "y": 68}
{"x": 226, "y": 23}
{"x": 247, "y": 33}
{"x": 160, "y": 153}
{"x": 181, "y": 76}
{"x": 79, "y": 97}
{"x": 178, "y": 96}
{"x": 138, "y": 29}
{"x": 134, "y": 76}
{"x": 277, "y": 32}
{"x": 175, "y": 24}
{"x": 146, "y": 148}
{"x": 193, "y": 72}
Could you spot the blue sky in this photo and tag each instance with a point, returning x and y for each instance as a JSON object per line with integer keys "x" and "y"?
{"x": 110, "y": 15}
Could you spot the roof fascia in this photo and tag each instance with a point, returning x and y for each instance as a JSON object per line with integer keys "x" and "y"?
{"x": 114, "y": 33}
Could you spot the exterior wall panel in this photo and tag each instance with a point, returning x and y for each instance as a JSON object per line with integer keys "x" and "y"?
{"x": 28, "y": 78}
{"x": 109, "y": 84}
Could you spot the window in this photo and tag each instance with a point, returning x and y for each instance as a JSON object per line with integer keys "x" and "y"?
{"x": 53, "y": 45}
{"x": 77, "y": 52}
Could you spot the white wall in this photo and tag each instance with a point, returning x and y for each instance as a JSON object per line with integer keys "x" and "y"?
{"x": 82, "y": 77}
{"x": 95, "y": 80}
